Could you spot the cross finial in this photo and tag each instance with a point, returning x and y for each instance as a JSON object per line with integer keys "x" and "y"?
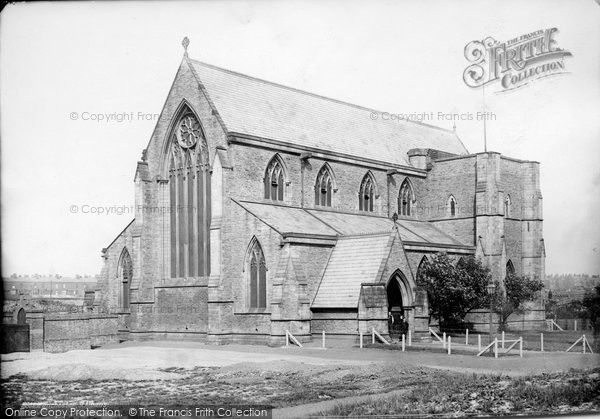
{"x": 185, "y": 43}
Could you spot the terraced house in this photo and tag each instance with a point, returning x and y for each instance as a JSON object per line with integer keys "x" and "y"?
{"x": 261, "y": 208}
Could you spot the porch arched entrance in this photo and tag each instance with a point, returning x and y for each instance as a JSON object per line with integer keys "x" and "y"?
{"x": 398, "y": 302}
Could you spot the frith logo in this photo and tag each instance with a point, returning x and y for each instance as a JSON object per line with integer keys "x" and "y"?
{"x": 514, "y": 63}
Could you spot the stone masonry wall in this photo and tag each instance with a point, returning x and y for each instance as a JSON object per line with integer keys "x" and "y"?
{"x": 78, "y": 331}
{"x": 452, "y": 177}
{"x": 109, "y": 286}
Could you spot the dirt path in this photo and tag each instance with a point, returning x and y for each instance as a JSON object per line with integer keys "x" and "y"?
{"x": 313, "y": 379}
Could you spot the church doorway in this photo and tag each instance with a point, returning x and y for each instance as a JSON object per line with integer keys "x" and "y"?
{"x": 397, "y": 321}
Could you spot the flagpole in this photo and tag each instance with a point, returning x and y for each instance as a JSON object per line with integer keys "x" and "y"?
{"x": 484, "y": 123}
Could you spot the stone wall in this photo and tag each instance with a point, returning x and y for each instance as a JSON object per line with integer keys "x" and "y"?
{"x": 335, "y": 322}
{"x": 65, "y": 332}
{"x": 530, "y": 320}
{"x": 247, "y": 182}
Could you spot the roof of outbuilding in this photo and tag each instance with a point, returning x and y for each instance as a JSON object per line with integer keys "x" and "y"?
{"x": 258, "y": 108}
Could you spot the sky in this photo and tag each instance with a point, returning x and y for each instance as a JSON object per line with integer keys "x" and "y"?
{"x": 63, "y": 65}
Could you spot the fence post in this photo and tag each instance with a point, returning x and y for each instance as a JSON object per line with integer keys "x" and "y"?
{"x": 575, "y": 325}
{"x": 373, "y": 335}
{"x": 587, "y": 343}
{"x": 361, "y": 340}
{"x": 409, "y": 338}
{"x": 479, "y": 343}
{"x": 503, "y": 339}
{"x": 449, "y": 345}
{"x": 583, "y": 341}
{"x": 403, "y": 343}
{"x": 495, "y": 347}
{"x": 541, "y": 342}
{"x": 467, "y": 337}
{"x": 521, "y": 347}
{"x": 323, "y": 339}
{"x": 287, "y": 339}
{"x": 444, "y": 340}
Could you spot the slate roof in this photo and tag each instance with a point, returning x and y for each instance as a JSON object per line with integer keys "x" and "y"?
{"x": 287, "y": 220}
{"x": 354, "y": 260}
{"x": 362, "y": 244}
{"x": 293, "y": 220}
{"x": 410, "y": 231}
{"x": 263, "y": 109}
{"x": 351, "y": 224}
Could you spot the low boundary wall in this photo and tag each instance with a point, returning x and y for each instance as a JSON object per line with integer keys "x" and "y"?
{"x": 65, "y": 332}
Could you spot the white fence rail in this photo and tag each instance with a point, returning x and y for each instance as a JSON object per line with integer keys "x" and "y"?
{"x": 375, "y": 334}
{"x": 289, "y": 337}
{"x": 432, "y": 332}
{"x": 584, "y": 343}
{"x": 512, "y": 343}
{"x": 494, "y": 344}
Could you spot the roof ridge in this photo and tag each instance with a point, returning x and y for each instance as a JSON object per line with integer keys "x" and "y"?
{"x": 359, "y": 235}
{"x": 214, "y": 67}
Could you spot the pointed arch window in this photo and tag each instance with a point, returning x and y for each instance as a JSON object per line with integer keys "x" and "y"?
{"x": 510, "y": 268}
{"x": 421, "y": 269}
{"x": 451, "y": 206}
{"x": 507, "y": 206}
{"x": 257, "y": 269}
{"x": 189, "y": 198}
{"x": 366, "y": 195}
{"x": 405, "y": 199}
{"x": 125, "y": 275}
{"x": 275, "y": 179}
{"x": 324, "y": 187}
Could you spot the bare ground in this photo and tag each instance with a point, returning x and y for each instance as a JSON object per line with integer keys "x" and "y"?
{"x": 190, "y": 373}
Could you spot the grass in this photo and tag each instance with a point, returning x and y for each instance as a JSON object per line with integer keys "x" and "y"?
{"x": 223, "y": 385}
{"x": 423, "y": 390}
{"x": 462, "y": 395}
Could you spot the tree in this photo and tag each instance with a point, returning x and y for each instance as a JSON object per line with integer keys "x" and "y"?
{"x": 592, "y": 303}
{"x": 453, "y": 291}
{"x": 572, "y": 310}
{"x": 510, "y": 297}
{"x": 551, "y": 306}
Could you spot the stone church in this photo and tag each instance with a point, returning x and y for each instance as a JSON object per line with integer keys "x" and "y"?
{"x": 262, "y": 209}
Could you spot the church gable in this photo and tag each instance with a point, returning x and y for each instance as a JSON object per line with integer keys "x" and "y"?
{"x": 186, "y": 95}
{"x": 396, "y": 261}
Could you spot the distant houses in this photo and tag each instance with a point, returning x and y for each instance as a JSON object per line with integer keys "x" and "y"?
{"x": 48, "y": 286}
{"x": 570, "y": 287}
